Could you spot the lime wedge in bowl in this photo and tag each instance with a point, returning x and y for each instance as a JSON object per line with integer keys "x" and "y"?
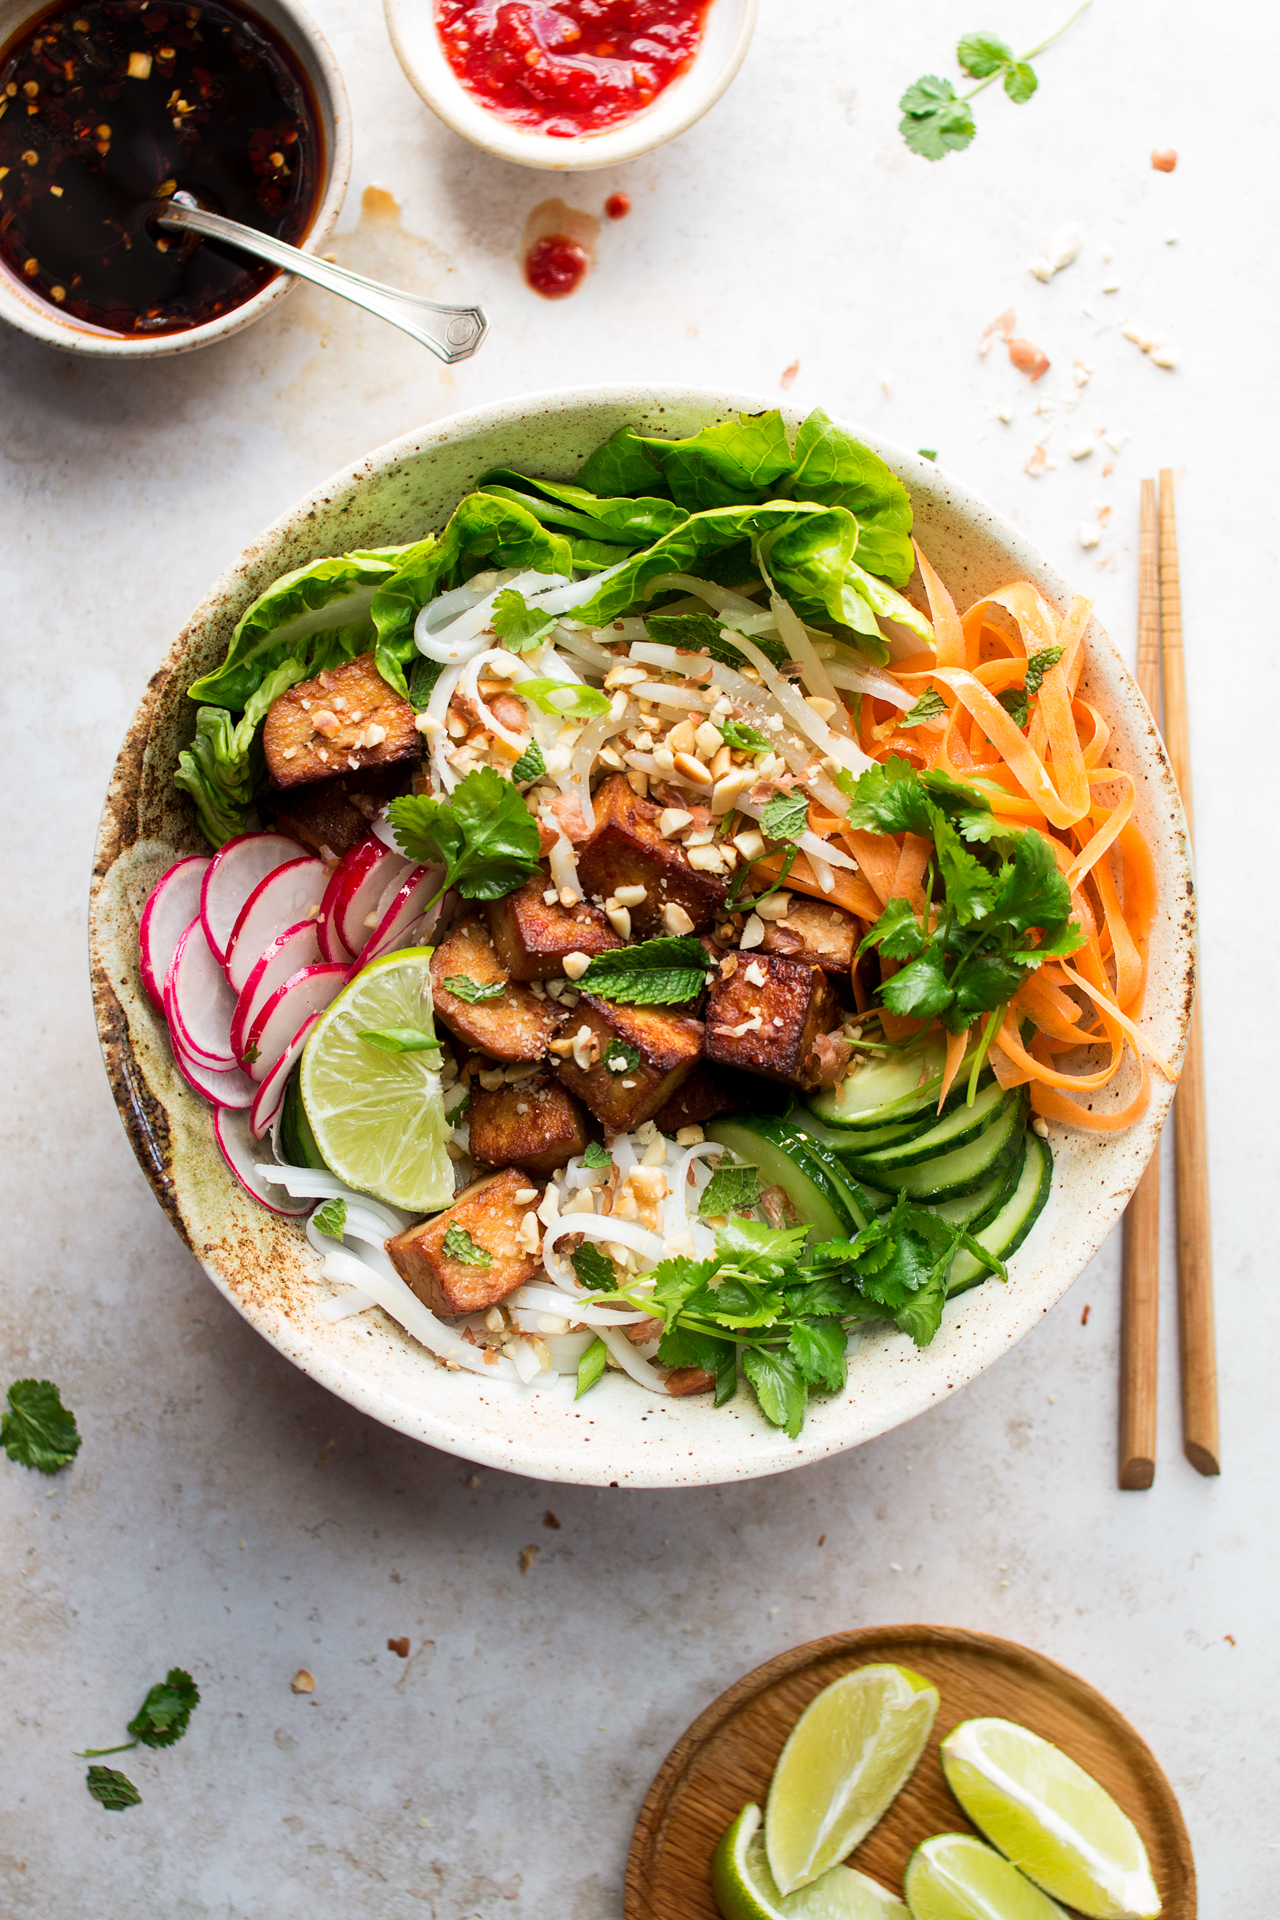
{"x": 955, "y": 1877}
{"x": 849, "y": 1755}
{"x": 377, "y": 1115}
{"x": 1051, "y": 1818}
{"x": 746, "y": 1890}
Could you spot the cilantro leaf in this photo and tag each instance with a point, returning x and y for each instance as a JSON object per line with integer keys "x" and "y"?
{"x": 676, "y": 1281}
{"x": 475, "y": 992}
{"x": 786, "y": 817}
{"x": 890, "y": 799}
{"x": 730, "y": 1190}
{"x": 530, "y": 765}
{"x": 655, "y": 973}
{"x": 1038, "y": 664}
{"x": 981, "y": 54}
{"x": 827, "y": 1295}
{"x": 483, "y": 834}
{"x": 516, "y": 623}
{"x": 699, "y": 633}
{"x": 591, "y": 1366}
{"x": 818, "y": 1349}
{"x": 36, "y": 1429}
{"x": 970, "y": 888}
{"x": 399, "y": 1039}
{"x": 458, "y": 1245}
{"x": 921, "y": 989}
{"x": 983, "y": 983}
{"x": 927, "y": 707}
{"x": 595, "y": 1155}
{"x": 566, "y": 699}
{"x": 331, "y": 1218}
{"x": 896, "y": 933}
{"x": 162, "y": 1718}
{"x": 595, "y": 1270}
{"x": 934, "y": 121}
{"x": 1020, "y": 82}
{"x": 1014, "y": 702}
{"x": 779, "y": 1386}
{"x": 1033, "y": 893}
{"x": 112, "y": 1789}
{"x": 748, "y": 1246}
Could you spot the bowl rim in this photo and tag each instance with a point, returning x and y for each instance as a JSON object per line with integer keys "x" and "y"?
{"x": 924, "y": 1378}
{"x": 309, "y": 46}
{"x": 676, "y": 109}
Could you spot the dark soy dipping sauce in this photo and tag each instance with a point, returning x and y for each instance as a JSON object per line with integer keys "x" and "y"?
{"x": 109, "y": 107}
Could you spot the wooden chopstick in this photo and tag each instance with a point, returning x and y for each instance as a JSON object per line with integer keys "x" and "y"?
{"x": 1195, "y": 1254}
{"x": 1140, "y": 1295}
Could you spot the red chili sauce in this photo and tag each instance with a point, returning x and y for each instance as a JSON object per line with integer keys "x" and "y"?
{"x": 573, "y": 67}
{"x": 555, "y": 266}
{"x": 109, "y": 106}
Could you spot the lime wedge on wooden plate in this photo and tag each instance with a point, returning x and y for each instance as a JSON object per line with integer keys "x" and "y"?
{"x": 746, "y": 1890}
{"x": 849, "y": 1755}
{"x": 1051, "y": 1818}
{"x": 955, "y": 1877}
{"x": 378, "y": 1117}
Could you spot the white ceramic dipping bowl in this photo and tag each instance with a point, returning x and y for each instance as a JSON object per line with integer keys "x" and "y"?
{"x": 420, "y": 51}
{"x": 262, "y": 1263}
{"x": 25, "y": 310}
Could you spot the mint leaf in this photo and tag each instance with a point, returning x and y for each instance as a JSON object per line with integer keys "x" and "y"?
{"x": 400, "y": 1039}
{"x": 595, "y": 1156}
{"x": 927, "y": 707}
{"x": 331, "y": 1219}
{"x": 1020, "y": 82}
{"x": 779, "y": 1387}
{"x": 619, "y": 1057}
{"x": 484, "y": 834}
{"x": 162, "y": 1718}
{"x": 595, "y": 1270}
{"x": 1038, "y": 664}
{"x": 37, "y": 1430}
{"x": 981, "y": 54}
{"x": 785, "y": 818}
{"x": 1014, "y": 702}
{"x": 730, "y": 1190}
{"x": 568, "y": 700}
{"x": 699, "y": 633}
{"x": 591, "y": 1366}
{"x": 516, "y": 623}
{"x": 112, "y": 1789}
{"x": 655, "y": 973}
{"x": 744, "y": 738}
{"x": 530, "y": 765}
{"x": 474, "y": 992}
{"x": 458, "y": 1245}
{"x": 423, "y": 675}
{"x": 934, "y": 122}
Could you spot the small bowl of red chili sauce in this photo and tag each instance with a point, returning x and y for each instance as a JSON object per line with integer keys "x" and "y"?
{"x": 107, "y": 108}
{"x": 570, "y": 84}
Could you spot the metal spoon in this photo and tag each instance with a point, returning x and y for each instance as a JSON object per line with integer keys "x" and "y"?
{"x": 453, "y": 333}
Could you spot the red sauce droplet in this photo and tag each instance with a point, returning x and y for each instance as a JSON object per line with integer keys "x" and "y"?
{"x": 573, "y": 66}
{"x": 618, "y": 206}
{"x": 555, "y": 266}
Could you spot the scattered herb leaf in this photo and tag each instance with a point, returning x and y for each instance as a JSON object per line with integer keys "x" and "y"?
{"x": 1038, "y": 664}
{"x": 36, "y": 1429}
{"x": 163, "y": 1716}
{"x": 331, "y": 1218}
{"x": 484, "y": 834}
{"x": 927, "y": 707}
{"x": 699, "y": 633}
{"x": 785, "y": 818}
{"x": 458, "y": 1245}
{"x": 620, "y": 1057}
{"x": 595, "y": 1156}
{"x": 744, "y": 738}
{"x": 655, "y": 973}
{"x": 530, "y": 765}
{"x": 474, "y": 992}
{"x": 595, "y": 1270}
{"x": 1014, "y": 702}
{"x": 937, "y": 121}
{"x": 516, "y": 623}
{"x": 730, "y": 1190}
{"x": 112, "y": 1789}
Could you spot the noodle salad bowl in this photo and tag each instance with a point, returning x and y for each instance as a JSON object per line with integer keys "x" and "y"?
{"x": 274, "y": 1268}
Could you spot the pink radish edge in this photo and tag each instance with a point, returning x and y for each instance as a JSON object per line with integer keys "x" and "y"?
{"x": 224, "y": 1089}
{"x": 269, "y": 1098}
{"x": 239, "y": 1150}
{"x": 236, "y": 871}
{"x": 405, "y": 907}
{"x": 198, "y": 1003}
{"x": 172, "y": 904}
{"x": 288, "y": 953}
{"x": 291, "y": 893}
{"x": 308, "y": 992}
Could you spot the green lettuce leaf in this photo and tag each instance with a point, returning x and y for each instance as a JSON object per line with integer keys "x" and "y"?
{"x": 836, "y": 470}
{"x": 223, "y": 769}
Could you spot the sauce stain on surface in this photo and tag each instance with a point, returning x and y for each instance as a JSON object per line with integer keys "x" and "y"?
{"x": 618, "y": 206}
{"x": 558, "y": 249}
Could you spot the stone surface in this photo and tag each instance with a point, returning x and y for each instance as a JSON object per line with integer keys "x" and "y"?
{"x": 227, "y": 1515}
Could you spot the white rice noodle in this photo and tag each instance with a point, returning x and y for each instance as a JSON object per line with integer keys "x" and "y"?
{"x": 801, "y": 714}
{"x": 813, "y": 674}
{"x": 590, "y": 741}
{"x": 561, "y": 858}
{"x": 553, "y": 1300}
{"x": 562, "y": 598}
{"x": 618, "y": 633}
{"x": 578, "y": 641}
{"x": 447, "y": 606}
{"x": 436, "y": 709}
{"x": 721, "y": 599}
{"x": 632, "y": 1362}
{"x": 398, "y": 1300}
{"x": 809, "y": 843}
{"x": 676, "y": 1215}
{"x": 453, "y": 640}
{"x": 865, "y": 678}
{"x": 602, "y": 1228}
{"x": 311, "y": 1183}
{"x": 468, "y": 687}
{"x": 566, "y": 1349}
{"x": 664, "y": 696}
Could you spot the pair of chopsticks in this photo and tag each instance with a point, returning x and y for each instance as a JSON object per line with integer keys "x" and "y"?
{"x": 1160, "y": 641}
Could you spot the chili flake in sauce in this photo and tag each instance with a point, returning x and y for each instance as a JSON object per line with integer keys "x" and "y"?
{"x": 574, "y": 67}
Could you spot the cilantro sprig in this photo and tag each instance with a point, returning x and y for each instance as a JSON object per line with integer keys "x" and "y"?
{"x": 782, "y": 820}
{"x": 936, "y": 120}
{"x": 161, "y": 1720}
{"x": 656, "y": 973}
{"x": 483, "y": 835}
{"x": 520, "y": 627}
{"x": 36, "y": 1429}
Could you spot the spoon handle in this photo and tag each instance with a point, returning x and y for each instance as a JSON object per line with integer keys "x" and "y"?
{"x": 452, "y": 333}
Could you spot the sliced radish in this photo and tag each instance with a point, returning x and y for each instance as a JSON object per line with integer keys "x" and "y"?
{"x": 223, "y": 1089}
{"x": 198, "y": 1003}
{"x": 234, "y": 872}
{"x": 173, "y": 903}
{"x": 398, "y": 909}
{"x": 241, "y": 1153}
{"x": 308, "y": 992}
{"x": 296, "y": 948}
{"x": 269, "y": 1098}
{"x": 292, "y": 893}
{"x": 358, "y": 887}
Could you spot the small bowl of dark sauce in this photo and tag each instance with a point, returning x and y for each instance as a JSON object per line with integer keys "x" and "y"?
{"x": 107, "y": 108}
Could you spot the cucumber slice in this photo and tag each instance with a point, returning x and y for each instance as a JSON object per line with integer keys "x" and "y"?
{"x": 955, "y": 1129}
{"x": 890, "y": 1088}
{"x": 1006, "y": 1233}
{"x": 844, "y": 1141}
{"x": 977, "y": 1210}
{"x": 764, "y": 1141}
{"x": 297, "y": 1142}
{"x": 857, "y": 1204}
{"x": 950, "y": 1175}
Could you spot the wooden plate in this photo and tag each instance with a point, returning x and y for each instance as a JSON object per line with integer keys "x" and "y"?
{"x": 728, "y": 1755}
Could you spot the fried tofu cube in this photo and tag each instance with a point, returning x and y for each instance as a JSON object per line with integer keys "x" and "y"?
{"x": 332, "y": 816}
{"x": 625, "y": 1062}
{"x": 532, "y": 935}
{"x": 534, "y": 1124}
{"x": 704, "y": 1096}
{"x": 493, "y": 1218}
{"x": 825, "y": 936}
{"x": 344, "y": 719}
{"x": 627, "y": 850}
{"x": 765, "y": 1014}
{"x": 518, "y": 1026}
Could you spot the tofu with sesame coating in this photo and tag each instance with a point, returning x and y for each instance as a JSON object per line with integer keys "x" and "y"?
{"x": 826, "y": 936}
{"x": 625, "y": 1063}
{"x": 518, "y": 1026}
{"x": 492, "y": 1217}
{"x": 535, "y": 1124}
{"x": 626, "y": 849}
{"x": 765, "y": 1015}
{"x": 344, "y": 719}
{"x": 532, "y": 935}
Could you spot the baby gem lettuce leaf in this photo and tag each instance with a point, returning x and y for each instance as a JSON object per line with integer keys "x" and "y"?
{"x": 36, "y": 1429}
{"x": 484, "y": 835}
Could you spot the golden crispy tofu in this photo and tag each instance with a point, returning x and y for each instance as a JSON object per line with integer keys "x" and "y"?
{"x": 627, "y": 850}
{"x": 765, "y": 1014}
{"x": 625, "y": 1062}
{"x": 344, "y": 719}
{"x": 825, "y": 936}
{"x": 704, "y": 1096}
{"x": 493, "y": 1218}
{"x": 534, "y": 1124}
{"x": 332, "y": 816}
{"x": 519, "y": 1026}
{"x": 532, "y": 935}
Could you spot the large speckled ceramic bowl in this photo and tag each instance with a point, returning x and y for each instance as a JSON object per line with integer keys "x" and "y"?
{"x": 262, "y": 1263}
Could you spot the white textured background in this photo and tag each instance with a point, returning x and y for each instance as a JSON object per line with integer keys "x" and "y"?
{"x": 227, "y": 1515}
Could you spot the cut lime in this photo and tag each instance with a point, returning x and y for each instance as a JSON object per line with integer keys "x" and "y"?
{"x": 378, "y": 1117}
{"x": 849, "y": 1754}
{"x": 955, "y": 1877}
{"x": 1051, "y": 1818}
{"x": 746, "y": 1890}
